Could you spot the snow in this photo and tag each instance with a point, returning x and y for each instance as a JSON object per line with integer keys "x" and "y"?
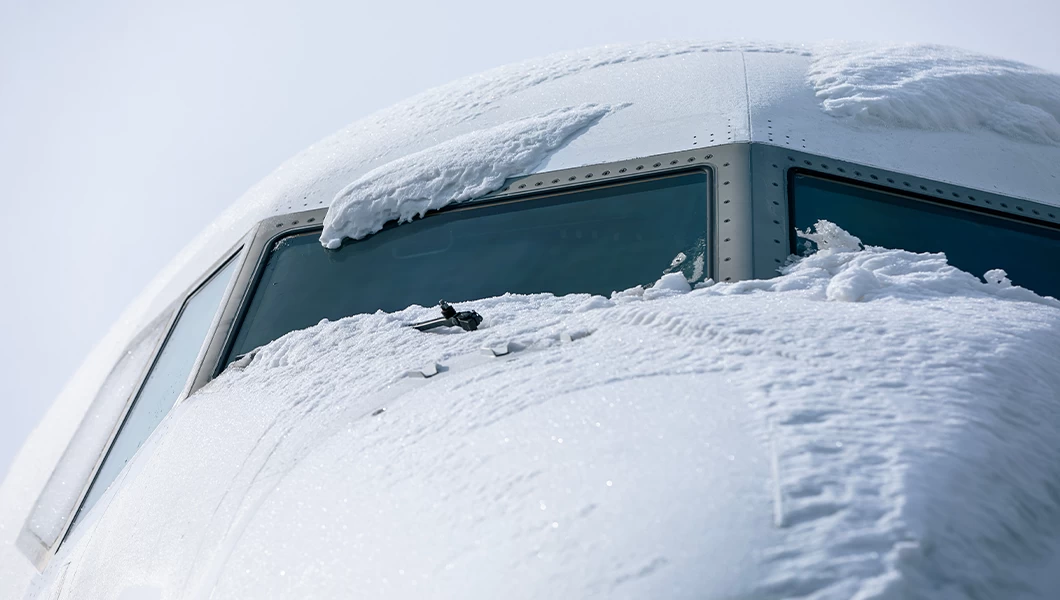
{"x": 937, "y": 88}
{"x": 873, "y": 423}
{"x": 928, "y": 111}
{"x": 463, "y": 168}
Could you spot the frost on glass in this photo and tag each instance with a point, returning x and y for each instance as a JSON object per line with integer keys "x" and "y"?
{"x": 164, "y": 384}
{"x": 60, "y": 494}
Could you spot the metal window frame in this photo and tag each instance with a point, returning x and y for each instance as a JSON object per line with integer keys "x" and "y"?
{"x": 725, "y": 166}
{"x": 775, "y": 167}
{"x": 36, "y": 550}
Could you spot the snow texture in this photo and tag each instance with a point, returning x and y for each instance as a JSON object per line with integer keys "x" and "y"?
{"x": 865, "y": 95}
{"x": 937, "y": 88}
{"x": 457, "y": 170}
{"x": 914, "y": 86}
{"x": 872, "y": 424}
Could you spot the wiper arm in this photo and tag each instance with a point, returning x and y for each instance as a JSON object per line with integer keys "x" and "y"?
{"x": 468, "y": 320}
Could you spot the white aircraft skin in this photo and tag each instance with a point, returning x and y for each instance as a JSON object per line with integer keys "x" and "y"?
{"x": 870, "y": 424}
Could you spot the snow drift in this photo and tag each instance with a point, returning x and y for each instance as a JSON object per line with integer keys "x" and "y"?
{"x": 873, "y": 423}
{"x": 937, "y": 88}
{"x": 460, "y": 169}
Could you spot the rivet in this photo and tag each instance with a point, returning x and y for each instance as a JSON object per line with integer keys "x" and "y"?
{"x": 775, "y": 184}
{"x": 673, "y": 162}
{"x": 555, "y": 181}
{"x": 656, "y": 165}
{"x": 605, "y": 173}
{"x": 874, "y": 178}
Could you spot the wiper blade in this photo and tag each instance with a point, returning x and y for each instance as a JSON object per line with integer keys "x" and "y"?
{"x": 468, "y": 320}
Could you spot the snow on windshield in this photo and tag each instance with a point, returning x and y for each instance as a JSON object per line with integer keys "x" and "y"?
{"x": 456, "y": 170}
{"x": 872, "y": 423}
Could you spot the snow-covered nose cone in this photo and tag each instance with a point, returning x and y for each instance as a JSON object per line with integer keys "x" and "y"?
{"x": 631, "y": 489}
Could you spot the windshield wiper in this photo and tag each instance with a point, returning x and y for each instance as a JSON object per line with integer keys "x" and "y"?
{"x": 468, "y": 320}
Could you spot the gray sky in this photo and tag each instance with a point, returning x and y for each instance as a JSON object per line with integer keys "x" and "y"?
{"x": 126, "y": 127}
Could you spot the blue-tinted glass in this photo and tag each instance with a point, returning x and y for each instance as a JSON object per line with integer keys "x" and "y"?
{"x": 973, "y": 241}
{"x": 163, "y": 385}
{"x": 596, "y": 241}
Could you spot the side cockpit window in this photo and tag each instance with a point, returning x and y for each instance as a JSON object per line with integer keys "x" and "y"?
{"x": 61, "y": 494}
{"x": 164, "y": 383}
{"x": 973, "y": 240}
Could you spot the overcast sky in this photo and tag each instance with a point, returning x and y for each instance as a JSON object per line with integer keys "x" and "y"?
{"x": 126, "y": 127}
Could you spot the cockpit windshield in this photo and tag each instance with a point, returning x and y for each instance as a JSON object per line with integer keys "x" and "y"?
{"x": 594, "y": 240}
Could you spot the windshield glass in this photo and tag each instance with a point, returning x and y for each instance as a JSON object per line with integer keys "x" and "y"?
{"x": 973, "y": 241}
{"x": 594, "y": 240}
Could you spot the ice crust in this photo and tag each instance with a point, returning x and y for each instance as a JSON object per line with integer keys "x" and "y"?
{"x": 457, "y": 170}
{"x": 873, "y": 423}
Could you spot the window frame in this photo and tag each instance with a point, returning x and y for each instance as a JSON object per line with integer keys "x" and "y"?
{"x": 989, "y": 209}
{"x": 772, "y": 204}
{"x": 271, "y": 232}
{"x": 235, "y": 256}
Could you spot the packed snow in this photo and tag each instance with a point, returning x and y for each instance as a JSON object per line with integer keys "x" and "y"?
{"x": 463, "y": 168}
{"x": 920, "y": 336}
{"x": 937, "y": 88}
{"x": 873, "y": 423}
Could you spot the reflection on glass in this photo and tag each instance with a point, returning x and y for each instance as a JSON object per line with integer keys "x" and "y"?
{"x": 596, "y": 240}
{"x": 973, "y": 241}
{"x": 166, "y": 381}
